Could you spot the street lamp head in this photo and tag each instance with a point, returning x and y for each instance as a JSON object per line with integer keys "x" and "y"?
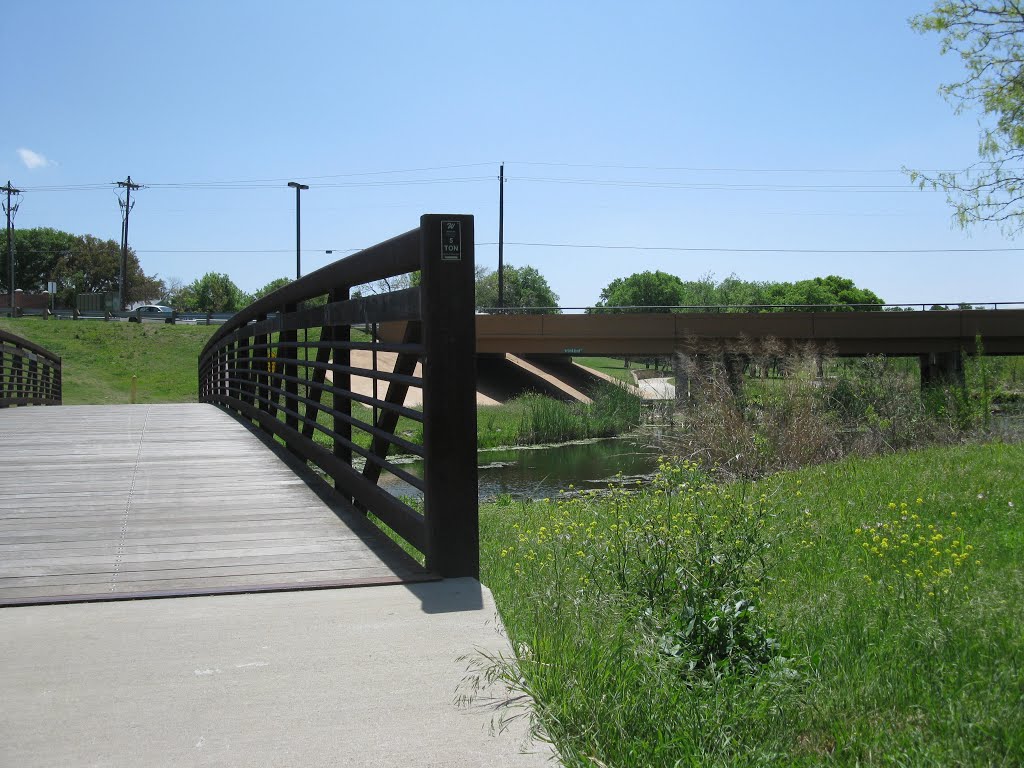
{"x": 296, "y": 185}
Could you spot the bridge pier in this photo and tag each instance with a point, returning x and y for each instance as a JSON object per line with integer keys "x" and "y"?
{"x": 707, "y": 367}
{"x": 941, "y": 368}
{"x": 735, "y": 363}
{"x": 681, "y": 370}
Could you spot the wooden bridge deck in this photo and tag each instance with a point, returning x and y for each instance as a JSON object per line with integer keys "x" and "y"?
{"x": 116, "y": 502}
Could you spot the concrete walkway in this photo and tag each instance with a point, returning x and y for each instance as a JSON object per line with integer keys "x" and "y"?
{"x": 656, "y": 389}
{"x": 345, "y": 677}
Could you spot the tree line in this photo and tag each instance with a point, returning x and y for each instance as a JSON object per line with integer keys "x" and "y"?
{"x": 646, "y": 291}
{"x": 77, "y": 263}
{"x": 87, "y": 264}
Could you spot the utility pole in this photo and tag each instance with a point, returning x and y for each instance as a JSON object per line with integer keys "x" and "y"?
{"x": 501, "y": 236}
{"x": 10, "y": 210}
{"x": 126, "y": 208}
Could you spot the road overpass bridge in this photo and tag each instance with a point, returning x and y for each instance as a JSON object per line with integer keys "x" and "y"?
{"x": 844, "y": 334}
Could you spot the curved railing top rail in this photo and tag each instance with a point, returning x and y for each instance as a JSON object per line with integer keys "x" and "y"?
{"x": 396, "y": 256}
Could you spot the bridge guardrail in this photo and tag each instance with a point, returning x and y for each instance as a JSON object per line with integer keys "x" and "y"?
{"x": 756, "y": 308}
{"x": 29, "y": 374}
{"x": 286, "y": 364}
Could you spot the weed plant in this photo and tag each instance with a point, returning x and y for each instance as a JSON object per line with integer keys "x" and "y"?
{"x": 633, "y": 611}
{"x": 534, "y": 419}
{"x": 822, "y": 410}
{"x": 685, "y": 624}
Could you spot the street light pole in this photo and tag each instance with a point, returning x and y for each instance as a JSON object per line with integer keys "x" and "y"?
{"x": 298, "y": 259}
{"x": 298, "y": 221}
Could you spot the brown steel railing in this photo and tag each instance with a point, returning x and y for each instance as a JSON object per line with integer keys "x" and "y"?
{"x": 29, "y": 374}
{"x": 286, "y": 364}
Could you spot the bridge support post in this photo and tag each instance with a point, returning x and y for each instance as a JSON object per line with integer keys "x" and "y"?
{"x": 941, "y": 369}
{"x": 734, "y": 366}
{"x": 681, "y": 371}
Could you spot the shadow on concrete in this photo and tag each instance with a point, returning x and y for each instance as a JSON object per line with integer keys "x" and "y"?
{"x": 448, "y": 595}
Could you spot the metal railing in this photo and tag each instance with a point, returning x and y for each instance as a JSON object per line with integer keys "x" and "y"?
{"x": 289, "y": 363}
{"x": 29, "y": 374}
{"x": 757, "y": 308}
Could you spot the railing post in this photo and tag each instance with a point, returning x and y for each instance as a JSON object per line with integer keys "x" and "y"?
{"x": 232, "y": 370}
{"x": 17, "y": 386}
{"x": 290, "y": 368}
{"x": 261, "y": 348}
{"x": 449, "y": 395}
{"x": 341, "y": 355}
{"x": 33, "y": 377}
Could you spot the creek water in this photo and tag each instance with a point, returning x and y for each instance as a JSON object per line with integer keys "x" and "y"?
{"x": 542, "y": 471}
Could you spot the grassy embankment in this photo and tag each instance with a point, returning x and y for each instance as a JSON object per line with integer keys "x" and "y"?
{"x": 100, "y": 358}
{"x": 609, "y": 366}
{"x": 861, "y": 613}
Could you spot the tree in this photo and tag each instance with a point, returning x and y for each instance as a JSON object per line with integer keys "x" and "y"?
{"x": 36, "y": 251}
{"x": 270, "y": 287}
{"x": 77, "y": 263}
{"x": 652, "y": 291}
{"x": 213, "y": 292}
{"x": 524, "y": 287}
{"x": 648, "y": 291}
{"x": 989, "y": 38}
{"x": 833, "y": 290}
{"x": 173, "y": 286}
{"x": 93, "y": 265}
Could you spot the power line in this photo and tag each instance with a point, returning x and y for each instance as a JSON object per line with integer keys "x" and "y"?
{"x": 716, "y": 186}
{"x": 689, "y": 249}
{"x": 592, "y": 246}
{"x": 329, "y": 176}
{"x": 695, "y": 169}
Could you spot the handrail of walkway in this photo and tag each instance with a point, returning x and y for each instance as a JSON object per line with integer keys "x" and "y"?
{"x": 286, "y": 363}
{"x": 29, "y": 374}
{"x": 756, "y": 308}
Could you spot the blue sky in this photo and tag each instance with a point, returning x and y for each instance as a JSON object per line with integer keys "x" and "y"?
{"x": 659, "y": 124}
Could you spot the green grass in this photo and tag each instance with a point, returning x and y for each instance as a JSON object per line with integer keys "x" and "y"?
{"x": 100, "y": 358}
{"x": 608, "y": 366}
{"x": 626, "y": 611}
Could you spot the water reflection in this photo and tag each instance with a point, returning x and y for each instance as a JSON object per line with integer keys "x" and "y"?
{"x": 541, "y": 472}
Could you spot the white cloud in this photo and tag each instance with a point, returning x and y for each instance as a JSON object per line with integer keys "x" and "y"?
{"x": 33, "y": 160}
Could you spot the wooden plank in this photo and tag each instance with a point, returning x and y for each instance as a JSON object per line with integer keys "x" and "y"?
{"x": 178, "y": 499}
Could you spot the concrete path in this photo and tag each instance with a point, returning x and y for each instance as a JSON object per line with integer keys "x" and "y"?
{"x": 386, "y": 362}
{"x": 656, "y": 389}
{"x": 347, "y": 677}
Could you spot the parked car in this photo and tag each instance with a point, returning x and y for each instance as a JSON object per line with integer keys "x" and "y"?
{"x": 153, "y": 312}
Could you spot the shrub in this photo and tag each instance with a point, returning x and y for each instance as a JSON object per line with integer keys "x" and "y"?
{"x": 819, "y": 410}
